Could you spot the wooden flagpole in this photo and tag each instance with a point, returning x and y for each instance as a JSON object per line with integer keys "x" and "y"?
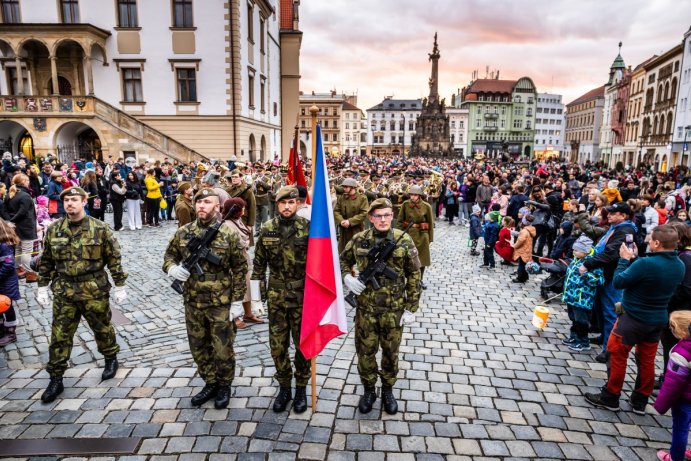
{"x": 314, "y": 110}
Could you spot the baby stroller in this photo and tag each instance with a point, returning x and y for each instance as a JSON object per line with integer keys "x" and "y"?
{"x": 554, "y": 283}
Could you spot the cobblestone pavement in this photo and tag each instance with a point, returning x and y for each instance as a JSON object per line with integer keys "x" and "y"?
{"x": 477, "y": 380}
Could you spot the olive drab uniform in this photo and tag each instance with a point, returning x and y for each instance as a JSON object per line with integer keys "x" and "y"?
{"x": 73, "y": 262}
{"x": 378, "y": 315}
{"x": 207, "y": 299}
{"x": 422, "y": 230}
{"x": 282, "y": 248}
{"x": 354, "y": 209}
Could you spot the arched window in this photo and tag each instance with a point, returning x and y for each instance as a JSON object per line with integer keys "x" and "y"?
{"x": 674, "y": 88}
{"x": 669, "y": 123}
{"x": 660, "y": 93}
{"x": 655, "y": 126}
{"x": 666, "y": 91}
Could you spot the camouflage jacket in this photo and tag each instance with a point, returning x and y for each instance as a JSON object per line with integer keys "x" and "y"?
{"x": 74, "y": 257}
{"x": 220, "y": 284}
{"x": 398, "y": 295}
{"x": 282, "y": 248}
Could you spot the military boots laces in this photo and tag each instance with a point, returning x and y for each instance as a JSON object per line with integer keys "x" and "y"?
{"x": 207, "y": 393}
{"x": 284, "y": 396}
{"x": 388, "y": 400}
{"x": 367, "y": 399}
{"x": 54, "y": 389}
{"x": 110, "y": 368}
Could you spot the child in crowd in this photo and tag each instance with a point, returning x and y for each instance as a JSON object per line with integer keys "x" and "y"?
{"x": 503, "y": 246}
{"x": 676, "y": 388}
{"x": 523, "y": 246}
{"x": 579, "y": 294}
{"x": 475, "y": 229}
{"x": 42, "y": 216}
{"x": 490, "y": 235}
{"x": 9, "y": 282}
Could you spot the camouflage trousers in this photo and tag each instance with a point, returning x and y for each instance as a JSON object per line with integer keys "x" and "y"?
{"x": 66, "y": 316}
{"x": 211, "y": 334}
{"x": 285, "y": 320}
{"x": 374, "y": 328}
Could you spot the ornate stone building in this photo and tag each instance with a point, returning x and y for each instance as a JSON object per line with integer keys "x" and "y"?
{"x": 432, "y": 136}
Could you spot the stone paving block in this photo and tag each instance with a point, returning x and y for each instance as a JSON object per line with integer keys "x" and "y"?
{"x": 312, "y": 452}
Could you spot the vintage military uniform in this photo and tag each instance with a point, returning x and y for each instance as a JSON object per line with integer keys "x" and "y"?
{"x": 354, "y": 209}
{"x": 282, "y": 248}
{"x": 74, "y": 257}
{"x": 207, "y": 299}
{"x": 263, "y": 187}
{"x": 184, "y": 208}
{"x": 422, "y": 230}
{"x": 378, "y": 315}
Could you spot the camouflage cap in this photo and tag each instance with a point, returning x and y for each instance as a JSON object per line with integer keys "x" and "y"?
{"x": 73, "y": 191}
{"x": 287, "y": 192}
{"x": 415, "y": 190}
{"x": 380, "y": 203}
{"x": 349, "y": 182}
{"x": 205, "y": 193}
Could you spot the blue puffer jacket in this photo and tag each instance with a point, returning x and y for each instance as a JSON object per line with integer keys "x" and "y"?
{"x": 475, "y": 227}
{"x": 579, "y": 289}
{"x": 9, "y": 283}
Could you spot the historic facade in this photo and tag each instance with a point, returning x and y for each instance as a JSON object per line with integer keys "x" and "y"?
{"x": 331, "y": 118}
{"x": 458, "y": 129}
{"x": 353, "y": 122}
{"x": 392, "y": 124}
{"x": 583, "y": 120}
{"x": 145, "y": 79}
{"x": 550, "y": 121}
{"x": 432, "y": 136}
{"x": 613, "y": 125}
{"x": 501, "y": 117}
{"x": 682, "y": 125}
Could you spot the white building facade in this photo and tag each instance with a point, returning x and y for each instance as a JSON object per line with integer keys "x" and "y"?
{"x": 206, "y": 73}
{"x": 392, "y": 124}
{"x": 550, "y": 123}
{"x": 458, "y": 130}
{"x": 352, "y": 120}
{"x": 682, "y": 125}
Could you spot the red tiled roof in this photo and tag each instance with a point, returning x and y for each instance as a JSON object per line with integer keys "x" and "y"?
{"x": 349, "y": 106}
{"x": 592, "y": 94}
{"x": 490, "y": 85}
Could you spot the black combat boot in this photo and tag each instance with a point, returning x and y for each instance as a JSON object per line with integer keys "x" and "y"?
{"x": 110, "y": 369}
{"x": 300, "y": 402}
{"x": 388, "y": 401}
{"x": 207, "y": 393}
{"x": 604, "y": 399}
{"x": 222, "y": 397}
{"x": 54, "y": 389}
{"x": 285, "y": 394}
{"x": 367, "y": 399}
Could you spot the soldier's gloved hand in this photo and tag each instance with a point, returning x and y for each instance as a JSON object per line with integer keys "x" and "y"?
{"x": 179, "y": 273}
{"x": 42, "y": 296}
{"x": 119, "y": 295}
{"x": 407, "y": 318}
{"x": 354, "y": 285}
{"x": 236, "y": 310}
{"x": 258, "y": 308}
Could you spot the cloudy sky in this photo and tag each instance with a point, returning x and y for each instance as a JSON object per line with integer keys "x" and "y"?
{"x": 379, "y": 47}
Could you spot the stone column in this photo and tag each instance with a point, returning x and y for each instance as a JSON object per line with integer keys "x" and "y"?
{"x": 20, "y": 75}
{"x": 54, "y": 75}
{"x": 89, "y": 76}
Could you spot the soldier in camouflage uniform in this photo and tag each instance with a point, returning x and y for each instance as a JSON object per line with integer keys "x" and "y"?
{"x": 76, "y": 250}
{"x": 381, "y": 313}
{"x": 415, "y": 210}
{"x": 350, "y": 212}
{"x": 282, "y": 248}
{"x": 207, "y": 298}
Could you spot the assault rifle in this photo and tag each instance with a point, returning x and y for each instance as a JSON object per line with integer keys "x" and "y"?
{"x": 198, "y": 248}
{"x": 377, "y": 257}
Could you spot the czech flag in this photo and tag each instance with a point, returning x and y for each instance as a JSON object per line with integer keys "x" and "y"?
{"x": 323, "y": 311}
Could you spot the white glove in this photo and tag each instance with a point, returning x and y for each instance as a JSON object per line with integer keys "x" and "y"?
{"x": 407, "y": 318}
{"x": 179, "y": 273}
{"x": 119, "y": 295}
{"x": 258, "y": 308}
{"x": 236, "y": 310}
{"x": 354, "y": 285}
{"x": 42, "y": 296}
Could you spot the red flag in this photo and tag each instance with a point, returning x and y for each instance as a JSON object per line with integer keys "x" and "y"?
{"x": 295, "y": 174}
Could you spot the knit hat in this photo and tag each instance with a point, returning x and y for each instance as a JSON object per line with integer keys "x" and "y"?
{"x": 476, "y": 209}
{"x": 495, "y": 216}
{"x": 583, "y": 244}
